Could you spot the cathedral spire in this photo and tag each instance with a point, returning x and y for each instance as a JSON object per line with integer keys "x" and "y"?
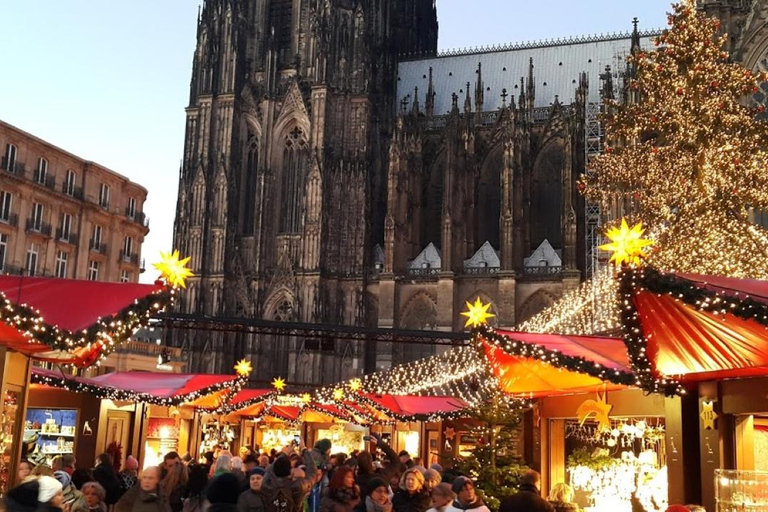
{"x": 531, "y": 92}
{"x": 479, "y": 86}
{"x": 415, "y": 108}
{"x": 635, "y": 47}
{"x": 430, "y": 101}
{"x": 468, "y": 101}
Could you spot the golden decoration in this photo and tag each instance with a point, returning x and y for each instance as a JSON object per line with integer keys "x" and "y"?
{"x": 243, "y": 368}
{"x": 355, "y": 385}
{"x": 477, "y": 314}
{"x": 708, "y": 415}
{"x": 306, "y": 398}
{"x": 627, "y": 244}
{"x": 449, "y": 433}
{"x": 173, "y": 269}
{"x": 338, "y": 394}
{"x": 278, "y": 383}
{"x": 599, "y": 408}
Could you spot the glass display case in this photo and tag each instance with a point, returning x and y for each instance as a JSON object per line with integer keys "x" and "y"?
{"x": 53, "y": 432}
{"x": 740, "y": 490}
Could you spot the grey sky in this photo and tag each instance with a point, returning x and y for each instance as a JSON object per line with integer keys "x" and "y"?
{"x": 109, "y": 80}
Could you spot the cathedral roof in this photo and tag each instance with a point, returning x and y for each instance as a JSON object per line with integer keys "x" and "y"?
{"x": 556, "y": 69}
{"x": 485, "y": 257}
{"x": 428, "y": 258}
{"x": 544, "y": 256}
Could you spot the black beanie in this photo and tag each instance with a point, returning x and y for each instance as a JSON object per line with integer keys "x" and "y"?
{"x": 323, "y": 445}
{"x": 24, "y": 495}
{"x": 225, "y": 488}
{"x": 373, "y": 484}
{"x": 282, "y": 466}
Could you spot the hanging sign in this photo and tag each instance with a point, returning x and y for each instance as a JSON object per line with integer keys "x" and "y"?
{"x": 708, "y": 415}
{"x": 599, "y": 408}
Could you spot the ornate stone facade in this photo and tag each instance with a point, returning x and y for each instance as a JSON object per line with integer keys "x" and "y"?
{"x": 328, "y": 179}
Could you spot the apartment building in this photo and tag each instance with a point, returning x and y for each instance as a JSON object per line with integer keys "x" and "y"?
{"x": 63, "y": 216}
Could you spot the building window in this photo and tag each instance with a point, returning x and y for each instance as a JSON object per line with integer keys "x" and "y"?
{"x": 42, "y": 170}
{"x": 9, "y": 160}
{"x": 131, "y": 212}
{"x": 96, "y": 239}
{"x": 125, "y": 276}
{"x": 65, "y": 227}
{"x": 128, "y": 246}
{"x": 61, "y": 264}
{"x": 104, "y": 196}
{"x": 37, "y": 216}
{"x": 93, "y": 270}
{"x": 69, "y": 183}
{"x": 32, "y": 260}
{"x": 3, "y": 250}
{"x": 6, "y": 204}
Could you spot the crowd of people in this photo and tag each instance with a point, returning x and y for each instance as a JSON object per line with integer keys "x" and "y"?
{"x": 295, "y": 479}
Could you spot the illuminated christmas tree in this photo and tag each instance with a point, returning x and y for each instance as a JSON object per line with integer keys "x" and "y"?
{"x": 686, "y": 154}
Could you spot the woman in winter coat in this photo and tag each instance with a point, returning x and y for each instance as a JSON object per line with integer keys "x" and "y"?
{"x": 173, "y": 486}
{"x": 365, "y": 469}
{"x": 105, "y": 474}
{"x": 411, "y": 496}
{"x": 561, "y": 498}
{"x": 194, "y": 495}
{"x": 342, "y": 494}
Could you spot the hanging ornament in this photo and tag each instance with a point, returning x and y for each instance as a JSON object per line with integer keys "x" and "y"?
{"x": 173, "y": 269}
{"x": 477, "y": 314}
{"x": 627, "y": 245}
{"x": 278, "y": 383}
{"x": 243, "y": 368}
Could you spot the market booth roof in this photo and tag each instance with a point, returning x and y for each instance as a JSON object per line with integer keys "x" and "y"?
{"x": 201, "y": 391}
{"x": 71, "y": 321}
{"x": 695, "y": 327}
{"x": 533, "y": 365}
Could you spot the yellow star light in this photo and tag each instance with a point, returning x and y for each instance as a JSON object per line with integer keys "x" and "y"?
{"x": 355, "y": 385}
{"x": 477, "y": 314}
{"x": 173, "y": 269}
{"x": 243, "y": 368}
{"x": 338, "y": 394}
{"x": 627, "y": 244}
{"x": 306, "y": 398}
{"x": 278, "y": 383}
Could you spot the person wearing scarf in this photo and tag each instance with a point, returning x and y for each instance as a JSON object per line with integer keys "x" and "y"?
{"x": 342, "y": 494}
{"x": 466, "y": 497}
{"x": 376, "y": 497}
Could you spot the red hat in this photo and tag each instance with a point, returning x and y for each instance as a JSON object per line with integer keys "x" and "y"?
{"x": 677, "y": 508}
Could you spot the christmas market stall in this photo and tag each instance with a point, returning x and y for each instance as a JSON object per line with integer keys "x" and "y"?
{"x": 145, "y": 414}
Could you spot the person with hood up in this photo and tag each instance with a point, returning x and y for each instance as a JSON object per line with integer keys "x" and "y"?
{"x": 466, "y": 497}
{"x": 411, "y": 496}
{"x": 442, "y": 497}
{"x": 222, "y": 493}
{"x": 342, "y": 494}
{"x": 376, "y": 497}
{"x": 23, "y": 497}
{"x": 72, "y": 496}
{"x": 280, "y": 492}
{"x": 528, "y": 498}
{"x": 146, "y": 496}
{"x": 251, "y": 500}
{"x": 50, "y": 497}
{"x": 561, "y": 498}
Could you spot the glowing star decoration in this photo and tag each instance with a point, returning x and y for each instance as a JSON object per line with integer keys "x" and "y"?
{"x": 173, "y": 269}
{"x": 355, "y": 385}
{"x": 708, "y": 415}
{"x": 599, "y": 409}
{"x": 449, "y": 433}
{"x": 243, "y": 368}
{"x": 338, "y": 394}
{"x": 627, "y": 244}
{"x": 278, "y": 383}
{"x": 477, "y": 314}
{"x": 306, "y": 398}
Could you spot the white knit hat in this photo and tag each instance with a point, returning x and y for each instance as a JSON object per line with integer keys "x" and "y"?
{"x": 49, "y": 487}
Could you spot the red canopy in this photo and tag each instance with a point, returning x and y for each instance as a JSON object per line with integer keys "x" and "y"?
{"x": 538, "y": 365}
{"x": 408, "y": 406}
{"x": 72, "y": 321}
{"x": 203, "y": 391}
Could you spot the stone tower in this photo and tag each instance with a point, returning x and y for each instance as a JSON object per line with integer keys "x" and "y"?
{"x": 282, "y": 186}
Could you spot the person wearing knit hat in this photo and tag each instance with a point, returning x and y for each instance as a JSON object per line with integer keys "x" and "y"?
{"x": 376, "y": 496}
{"x": 23, "y": 497}
{"x": 677, "y": 508}
{"x": 431, "y": 479}
{"x": 411, "y": 495}
{"x": 466, "y": 497}
{"x": 280, "y": 492}
{"x": 323, "y": 447}
{"x": 442, "y": 497}
{"x": 223, "y": 492}
{"x": 250, "y": 500}
{"x": 50, "y": 495}
{"x": 437, "y": 467}
{"x": 72, "y": 496}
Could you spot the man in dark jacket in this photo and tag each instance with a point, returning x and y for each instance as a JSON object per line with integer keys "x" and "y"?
{"x": 146, "y": 496}
{"x": 528, "y": 498}
{"x": 282, "y": 493}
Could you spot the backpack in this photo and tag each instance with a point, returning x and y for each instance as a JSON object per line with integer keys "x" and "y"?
{"x": 280, "y": 499}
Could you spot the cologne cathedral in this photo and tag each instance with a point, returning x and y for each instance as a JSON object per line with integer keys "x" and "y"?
{"x": 338, "y": 170}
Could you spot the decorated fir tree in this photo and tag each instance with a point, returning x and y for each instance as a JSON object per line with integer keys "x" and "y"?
{"x": 686, "y": 155}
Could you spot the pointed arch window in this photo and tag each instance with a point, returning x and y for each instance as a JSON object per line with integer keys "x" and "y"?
{"x": 294, "y": 172}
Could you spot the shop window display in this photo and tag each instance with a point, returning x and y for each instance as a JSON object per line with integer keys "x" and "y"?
{"x": 49, "y": 432}
{"x": 8, "y": 421}
{"x": 277, "y": 437}
{"x": 739, "y": 491}
{"x": 343, "y": 440}
{"x": 162, "y": 437}
{"x": 609, "y": 468}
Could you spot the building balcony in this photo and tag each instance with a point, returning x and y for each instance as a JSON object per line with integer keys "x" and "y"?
{"x": 72, "y": 191}
{"x": 67, "y": 238}
{"x": 13, "y": 270}
{"x": 481, "y": 271}
{"x": 148, "y": 349}
{"x": 14, "y": 167}
{"x": 11, "y": 219}
{"x": 543, "y": 272}
{"x": 97, "y": 246}
{"x": 36, "y": 226}
{"x": 129, "y": 257}
{"x": 424, "y": 272}
{"x": 45, "y": 180}
{"x": 137, "y": 217}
